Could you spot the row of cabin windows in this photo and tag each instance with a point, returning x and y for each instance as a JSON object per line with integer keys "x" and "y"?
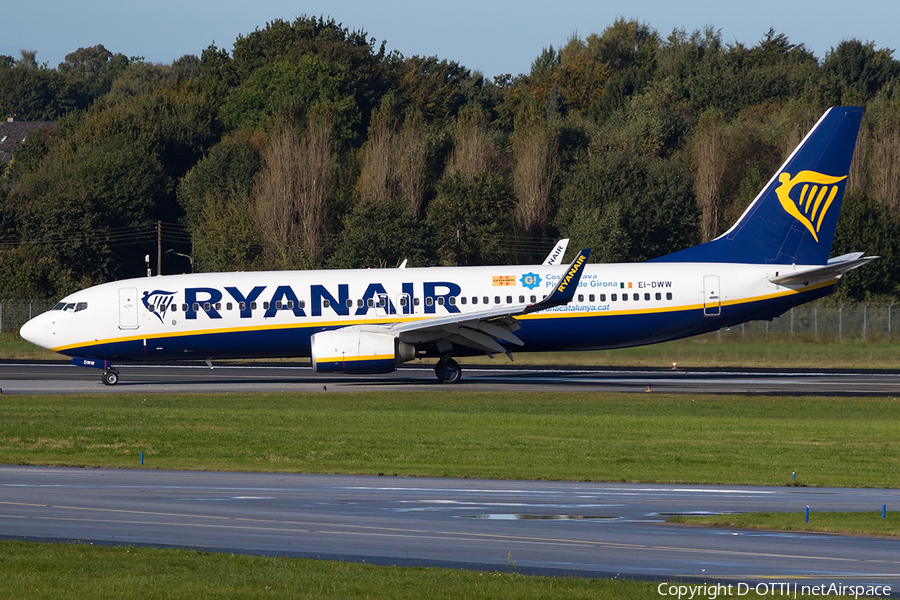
{"x": 382, "y": 302}
{"x": 370, "y": 302}
{"x": 635, "y": 297}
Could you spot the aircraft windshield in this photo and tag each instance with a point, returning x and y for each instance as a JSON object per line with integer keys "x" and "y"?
{"x": 71, "y": 306}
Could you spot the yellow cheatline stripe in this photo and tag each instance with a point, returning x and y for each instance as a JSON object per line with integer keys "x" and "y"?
{"x": 393, "y": 319}
{"x": 355, "y": 358}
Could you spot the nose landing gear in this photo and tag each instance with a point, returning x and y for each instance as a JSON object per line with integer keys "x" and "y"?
{"x": 110, "y": 377}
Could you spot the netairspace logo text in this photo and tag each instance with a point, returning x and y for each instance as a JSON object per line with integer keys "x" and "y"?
{"x": 786, "y": 590}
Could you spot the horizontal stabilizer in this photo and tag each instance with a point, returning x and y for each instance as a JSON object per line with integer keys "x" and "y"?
{"x": 835, "y": 268}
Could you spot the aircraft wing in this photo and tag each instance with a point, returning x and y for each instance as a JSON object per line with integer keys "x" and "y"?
{"x": 484, "y": 330}
{"x": 835, "y": 268}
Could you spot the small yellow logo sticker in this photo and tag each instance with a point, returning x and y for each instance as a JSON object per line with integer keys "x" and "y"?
{"x": 814, "y": 199}
{"x": 504, "y": 280}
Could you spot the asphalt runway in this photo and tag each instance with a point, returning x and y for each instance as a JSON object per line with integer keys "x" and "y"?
{"x": 55, "y": 378}
{"x": 557, "y": 528}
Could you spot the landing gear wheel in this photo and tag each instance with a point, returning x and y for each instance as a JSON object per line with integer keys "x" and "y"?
{"x": 447, "y": 370}
{"x": 110, "y": 377}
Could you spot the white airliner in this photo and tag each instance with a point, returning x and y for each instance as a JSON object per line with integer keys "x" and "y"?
{"x": 368, "y": 321}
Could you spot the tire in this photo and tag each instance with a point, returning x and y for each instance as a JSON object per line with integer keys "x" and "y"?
{"x": 447, "y": 370}
{"x": 110, "y": 378}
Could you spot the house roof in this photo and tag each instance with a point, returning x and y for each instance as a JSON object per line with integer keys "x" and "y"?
{"x": 13, "y": 132}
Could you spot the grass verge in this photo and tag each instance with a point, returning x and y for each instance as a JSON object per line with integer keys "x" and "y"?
{"x": 561, "y": 436}
{"x": 51, "y": 571}
{"x": 33, "y": 570}
{"x": 854, "y": 523}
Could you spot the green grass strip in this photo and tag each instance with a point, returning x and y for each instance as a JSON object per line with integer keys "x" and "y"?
{"x": 52, "y": 571}
{"x": 556, "y": 436}
{"x": 854, "y": 523}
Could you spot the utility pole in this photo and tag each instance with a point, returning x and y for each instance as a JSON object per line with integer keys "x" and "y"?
{"x": 158, "y": 248}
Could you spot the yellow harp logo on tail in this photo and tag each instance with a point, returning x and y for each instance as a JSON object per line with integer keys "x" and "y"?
{"x": 814, "y": 199}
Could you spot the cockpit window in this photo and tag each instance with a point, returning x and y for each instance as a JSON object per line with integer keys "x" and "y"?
{"x": 59, "y": 306}
{"x": 80, "y": 306}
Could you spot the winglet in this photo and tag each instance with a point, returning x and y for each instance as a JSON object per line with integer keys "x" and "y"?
{"x": 556, "y": 255}
{"x": 565, "y": 289}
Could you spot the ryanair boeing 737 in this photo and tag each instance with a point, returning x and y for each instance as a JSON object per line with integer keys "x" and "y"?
{"x": 775, "y": 257}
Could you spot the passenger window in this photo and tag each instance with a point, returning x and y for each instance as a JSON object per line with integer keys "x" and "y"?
{"x": 452, "y": 300}
{"x": 647, "y": 296}
{"x": 371, "y": 302}
{"x": 229, "y": 306}
{"x": 496, "y": 299}
{"x": 624, "y": 297}
{"x": 302, "y": 304}
{"x": 151, "y": 308}
{"x": 591, "y": 298}
{"x": 348, "y": 302}
{"x": 360, "y": 302}
{"x": 184, "y": 308}
{"x": 485, "y": 300}
{"x": 658, "y": 296}
{"x": 415, "y": 301}
{"x": 581, "y": 297}
{"x": 462, "y": 299}
{"x": 636, "y": 297}
{"x": 290, "y": 304}
{"x": 614, "y": 297}
{"x": 253, "y": 305}
{"x": 218, "y": 306}
{"x": 278, "y": 305}
{"x": 440, "y": 300}
{"x": 474, "y": 299}
{"x": 402, "y": 300}
{"x": 602, "y": 297}
{"x": 534, "y": 299}
{"x": 326, "y": 303}
{"x": 243, "y": 305}
{"x": 668, "y": 295}
{"x": 521, "y": 299}
{"x": 265, "y": 306}
{"x": 509, "y": 299}
{"x": 174, "y": 307}
{"x": 196, "y": 306}
{"x": 429, "y": 301}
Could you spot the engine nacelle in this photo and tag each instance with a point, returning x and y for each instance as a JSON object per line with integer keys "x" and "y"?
{"x": 358, "y": 350}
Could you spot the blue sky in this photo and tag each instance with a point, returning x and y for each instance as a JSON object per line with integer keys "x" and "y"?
{"x": 491, "y": 36}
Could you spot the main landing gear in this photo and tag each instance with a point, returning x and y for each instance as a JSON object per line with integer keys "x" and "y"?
{"x": 110, "y": 377}
{"x": 447, "y": 370}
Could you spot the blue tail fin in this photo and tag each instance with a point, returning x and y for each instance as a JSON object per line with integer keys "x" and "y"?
{"x": 794, "y": 217}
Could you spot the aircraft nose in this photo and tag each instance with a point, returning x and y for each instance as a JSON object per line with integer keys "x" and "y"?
{"x": 39, "y": 331}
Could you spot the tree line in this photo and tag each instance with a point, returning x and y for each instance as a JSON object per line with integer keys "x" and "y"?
{"x": 308, "y": 145}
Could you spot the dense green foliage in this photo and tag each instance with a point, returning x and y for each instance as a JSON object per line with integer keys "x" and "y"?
{"x": 307, "y": 144}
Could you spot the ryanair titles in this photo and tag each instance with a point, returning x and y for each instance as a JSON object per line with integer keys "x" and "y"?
{"x": 336, "y": 300}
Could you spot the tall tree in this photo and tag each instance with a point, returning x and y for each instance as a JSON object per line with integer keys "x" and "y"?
{"x": 292, "y": 191}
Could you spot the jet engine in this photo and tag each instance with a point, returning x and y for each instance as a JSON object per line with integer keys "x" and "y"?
{"x": 358, "y": 350}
